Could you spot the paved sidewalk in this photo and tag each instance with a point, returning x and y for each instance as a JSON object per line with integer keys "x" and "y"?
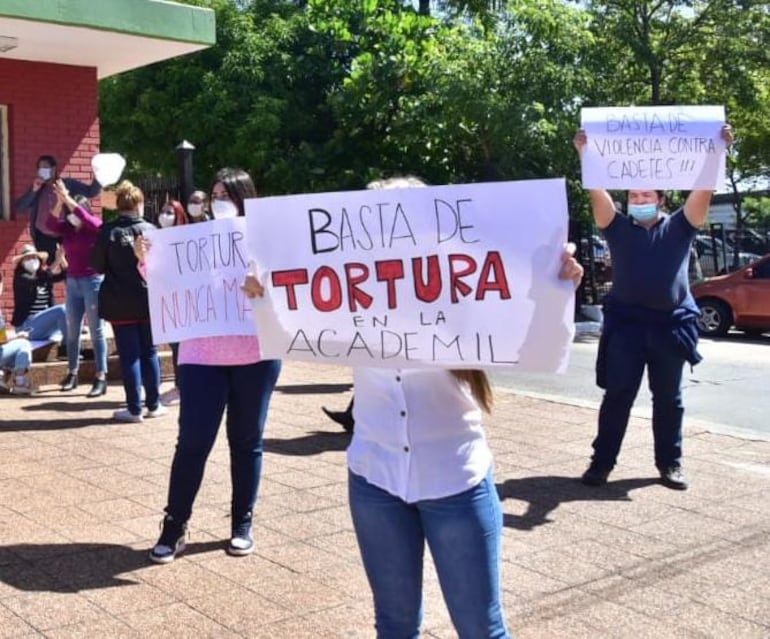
{"x": 81, "y": 499}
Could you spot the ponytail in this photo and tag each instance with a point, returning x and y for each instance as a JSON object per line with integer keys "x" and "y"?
{"x": 478, "y": 381}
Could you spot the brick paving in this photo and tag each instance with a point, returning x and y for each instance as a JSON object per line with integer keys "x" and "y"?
{"x": 81, "y": 499}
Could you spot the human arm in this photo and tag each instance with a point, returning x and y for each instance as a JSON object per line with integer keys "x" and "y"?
{"x": 698, "y": 203}
{"x": 75, "y": 187}
{"x": 59, "y": 265}
{"x": 602, "y": 205}
{"x": 27, "y": 201}
{"x": 90, "y": 221}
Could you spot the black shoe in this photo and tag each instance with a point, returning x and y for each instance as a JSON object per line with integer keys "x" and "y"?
{"x": 673, "y": 477}
{"x": 98, "y": 389}
{"x": 595, "y": 475}
{"x": 342, "y": 417}
{"x": 70, "y": 382}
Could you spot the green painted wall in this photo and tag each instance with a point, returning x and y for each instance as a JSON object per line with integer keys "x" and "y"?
{"x": 152, "y": 18}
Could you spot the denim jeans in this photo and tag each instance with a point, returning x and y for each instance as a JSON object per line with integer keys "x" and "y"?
{"x": 16, "y": 355}
{"x": 82, "y": 299}
{"x": 139, "y": 365}
{"x": 45, "y": 325}
{"x": 464, "y": 533}
{"x": 205, "y": 392}
{"x": 629, "y": 349}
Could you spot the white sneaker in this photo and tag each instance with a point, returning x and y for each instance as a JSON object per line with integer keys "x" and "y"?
{"x": 124, "y": 415}
{"x": 22, "y": 385}
{"x": 158, "y": 412}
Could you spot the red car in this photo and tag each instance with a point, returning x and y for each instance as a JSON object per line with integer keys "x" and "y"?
{"x": 740, "y": 299}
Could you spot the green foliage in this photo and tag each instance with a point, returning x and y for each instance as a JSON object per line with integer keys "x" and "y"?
{"x": 327, "y": 94}
{"x": 757, "y": 211}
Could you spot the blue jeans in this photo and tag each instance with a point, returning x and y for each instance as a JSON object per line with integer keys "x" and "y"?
{"x": 464, "y": 533}
{"x": 46, "y": 325}
{"x": 629, "y": 349}
{"x": 83, "y": 298}
{"x": 16, "y": 355}
{"x": 205, "y": 392}
{"x": 139, "y": 365}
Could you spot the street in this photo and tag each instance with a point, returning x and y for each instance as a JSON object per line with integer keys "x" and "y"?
{"x": 728, "y": 392}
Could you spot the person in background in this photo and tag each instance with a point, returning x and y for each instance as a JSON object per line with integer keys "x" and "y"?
{"x": 408, "y": 424}
{"x": 172, "y": 214}
{"x": 649, "y": 321}
{"x": 40, "y": 199}
{"x": 34, "y": 311}
{"x": 197, "y": 207}
{"x": 73, "y": 221}
{"x": 218, "y": 373}
{"x": 15, "y": 358}
{"x": 123, "y": 302}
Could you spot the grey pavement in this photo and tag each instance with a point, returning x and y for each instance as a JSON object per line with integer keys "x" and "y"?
{"x": 81, "y": 500}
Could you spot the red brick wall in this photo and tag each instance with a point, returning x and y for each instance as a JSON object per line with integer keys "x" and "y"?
{"x": 52, "y": 110}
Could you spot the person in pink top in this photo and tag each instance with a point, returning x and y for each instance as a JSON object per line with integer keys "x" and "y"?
{"x": 73, "y": 221}
{"x": 217, "y": 373}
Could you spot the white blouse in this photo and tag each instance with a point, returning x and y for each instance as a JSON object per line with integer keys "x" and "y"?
{"x": 418, "y": 433}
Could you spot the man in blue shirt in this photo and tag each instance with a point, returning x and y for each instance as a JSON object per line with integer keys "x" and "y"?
{"x": 649, "y": 321}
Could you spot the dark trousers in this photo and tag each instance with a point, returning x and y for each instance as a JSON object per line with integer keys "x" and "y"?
{"x": 629, "y": 349}
{"x": 205, "y": 392}
{"x": 139, "y": 365}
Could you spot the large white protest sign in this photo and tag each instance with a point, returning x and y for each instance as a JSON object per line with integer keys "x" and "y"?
{"x": 463, "y": 276}
{"x": 662, "y": 147}
{"x": 194, "y": 274}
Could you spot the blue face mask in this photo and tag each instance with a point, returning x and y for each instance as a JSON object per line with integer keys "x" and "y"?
{"x": 643, "y": 212}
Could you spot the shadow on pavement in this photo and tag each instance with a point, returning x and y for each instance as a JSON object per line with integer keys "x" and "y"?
{"x": 312, "y": 444}
{"x": 544, "y": 494}
{"x": 31, "y": 425}
{"x": 75, "y": 407}
{"x": 312, "y": 389}
{"x": 76, "y": 567}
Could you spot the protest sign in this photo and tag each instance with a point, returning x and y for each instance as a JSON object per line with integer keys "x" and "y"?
{"x": 194, "y": 274}
{"x": 461, "y": 276}
{"x": 662, "y": 147}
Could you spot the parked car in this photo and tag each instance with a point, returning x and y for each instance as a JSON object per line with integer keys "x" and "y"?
{"x": 704, "y": 246}
{"x": 740, "y": 299}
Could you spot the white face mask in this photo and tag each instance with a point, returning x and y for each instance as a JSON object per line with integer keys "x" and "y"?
{"x": 32, "y": 266}
{"x": 166, "y": 219}
{"x": 195, "y": 210}
{"x": 74, "y": 220}
{"x": 45, "y": 173}
{"x": 223, "y": 209}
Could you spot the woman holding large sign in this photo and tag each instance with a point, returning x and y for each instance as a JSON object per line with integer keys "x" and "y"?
{"x": 217, "y": 373}
{"x": 420, "y": 470}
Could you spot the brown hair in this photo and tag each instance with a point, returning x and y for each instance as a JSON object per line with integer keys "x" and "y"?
{"x": 128, "y": 197}
{"x": 478, "y": 381}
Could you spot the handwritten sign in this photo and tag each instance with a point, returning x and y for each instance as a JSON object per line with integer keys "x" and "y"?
{"x": 663, "y": 147}
{"x": 452, "y": 276}
{"x": 194, "y": 274}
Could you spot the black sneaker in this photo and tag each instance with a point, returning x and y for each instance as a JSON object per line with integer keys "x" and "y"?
{"x": 595, "y": 475}
{"x": 673, "y": 477}
{"x": 171, "y": 542}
